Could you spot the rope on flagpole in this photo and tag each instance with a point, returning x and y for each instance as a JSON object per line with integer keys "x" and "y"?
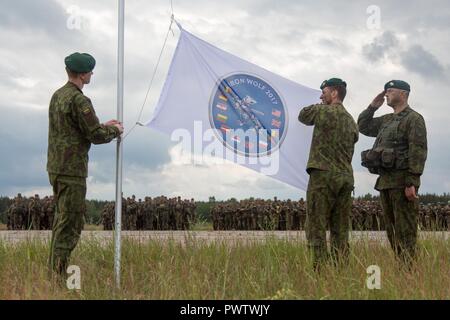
{"x": 138, "y": 123}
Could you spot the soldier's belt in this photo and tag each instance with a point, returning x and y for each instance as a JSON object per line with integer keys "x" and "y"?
{"x": 383, "y": 158}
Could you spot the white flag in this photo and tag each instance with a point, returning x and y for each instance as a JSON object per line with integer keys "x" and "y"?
{"x": 235, "y": 110}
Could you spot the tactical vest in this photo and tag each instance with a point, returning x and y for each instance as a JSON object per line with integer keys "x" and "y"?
{"x": 390, "y": 150}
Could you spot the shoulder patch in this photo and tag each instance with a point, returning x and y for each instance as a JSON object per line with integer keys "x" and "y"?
{"x": 86, "y": 110}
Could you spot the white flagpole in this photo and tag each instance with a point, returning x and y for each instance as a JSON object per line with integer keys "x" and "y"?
{"x": 118, "y": 219}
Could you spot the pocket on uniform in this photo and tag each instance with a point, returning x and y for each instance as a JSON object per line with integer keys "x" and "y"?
{"x": 402, "y": 159}
{"x": 387, "y": 158}
{"x": 318, "y": 179}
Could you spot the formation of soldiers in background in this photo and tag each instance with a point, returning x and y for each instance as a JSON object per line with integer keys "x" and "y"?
{"x": 30, "y": 213}
{"x": 291, "y": 215}
{"x": 160, "y": 213}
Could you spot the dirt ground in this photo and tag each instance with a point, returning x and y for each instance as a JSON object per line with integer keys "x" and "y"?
{"x": 228, "y": 237}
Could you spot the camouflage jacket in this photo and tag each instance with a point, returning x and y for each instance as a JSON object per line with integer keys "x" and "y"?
{"x": 34, "y": 205}
{"x": 334, "y": 137}
{"x": 73, "y": 126}
{"x": 411, "y": 129}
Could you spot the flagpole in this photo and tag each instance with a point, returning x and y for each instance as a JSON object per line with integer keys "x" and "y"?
{"x": 119, "y": 149}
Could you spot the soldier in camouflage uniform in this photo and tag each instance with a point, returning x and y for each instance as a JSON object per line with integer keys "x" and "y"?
{"x": 302, "y": 214}
{"x": 73, "y": 127}
{"x": 193, "y": 212}
{"x": 274, "y": 218}
{"x": 8, "y": 218}
{"x": 163, "y": 214}
{"x": 140, "y": 215}
{"x": 447, "y": 216}
{"x": 186, "y": 214}
{"x": 19, "y": 213}
{"x": 179, "y": 214}
{"x": 44, "y": 221}
{"x": 220, "y": 218}
{"x": 171, "y": 207}
{"x": 331, "y": 174}
{"x": 398, "y": 157}
{"x": 106, "y": 216}
{"x": 149, "y": 213}
{"x": 132, "y": 213}
{"x": 35, "y": 212}
{"x": 282, "y": 218}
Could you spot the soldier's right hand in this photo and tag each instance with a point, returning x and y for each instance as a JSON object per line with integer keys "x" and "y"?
{"x": 119, "y": 126}
{"x": 378, "y": 101}
{"x": 111, "y": 122}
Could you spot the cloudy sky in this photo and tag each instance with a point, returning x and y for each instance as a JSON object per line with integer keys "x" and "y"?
{"x": 306, "y": 41}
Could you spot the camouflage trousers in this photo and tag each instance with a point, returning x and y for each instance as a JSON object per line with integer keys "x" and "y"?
{"x": 400, "y": 216}
{"x": 35, "y": 220}
{"x": 70, "y": 194}
{"x": 329, "y": 203}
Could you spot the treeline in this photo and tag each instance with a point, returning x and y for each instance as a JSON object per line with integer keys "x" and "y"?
{"x": 434, "y": 198}
{"x": 94, "y": 211}
{"x": 428, "y": 198}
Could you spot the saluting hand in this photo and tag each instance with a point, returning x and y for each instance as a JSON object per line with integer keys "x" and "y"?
{"x": 378, "y": 101}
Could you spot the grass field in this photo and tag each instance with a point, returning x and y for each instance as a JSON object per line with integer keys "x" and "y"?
{"x": 274, "y": 269}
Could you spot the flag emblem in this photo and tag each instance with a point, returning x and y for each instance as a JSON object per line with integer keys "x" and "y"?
{"x": 276, "y": 113}
{"x": 224, "y": 128}
{"x": 222, "y": 118}
{"x": 276, "y": 123}
{"x": 249, "y": 103}
{"x": 221, "y": 106}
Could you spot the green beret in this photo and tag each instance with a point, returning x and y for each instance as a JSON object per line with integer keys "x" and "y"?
{"x": 80, "y": 62}
{"x": 333, "y": 82}
{"x": 397, "y": 84}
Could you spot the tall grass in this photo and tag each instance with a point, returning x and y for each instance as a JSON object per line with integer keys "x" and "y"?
{"x": 273, "y": 269}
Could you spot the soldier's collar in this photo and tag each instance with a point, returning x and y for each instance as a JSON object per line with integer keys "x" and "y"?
{"x": 71, "y": 84}
{"x": 405, "y": 111}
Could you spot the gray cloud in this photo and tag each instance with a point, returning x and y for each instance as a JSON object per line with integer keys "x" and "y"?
{"x": 415, "y": 58}
{"x": 422, "y": 62}
{"x": 37, "y": 15}
{"x": 146, "y": 147}
{"x": 381, "y": 47}
{"x": 23, "y": 146}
